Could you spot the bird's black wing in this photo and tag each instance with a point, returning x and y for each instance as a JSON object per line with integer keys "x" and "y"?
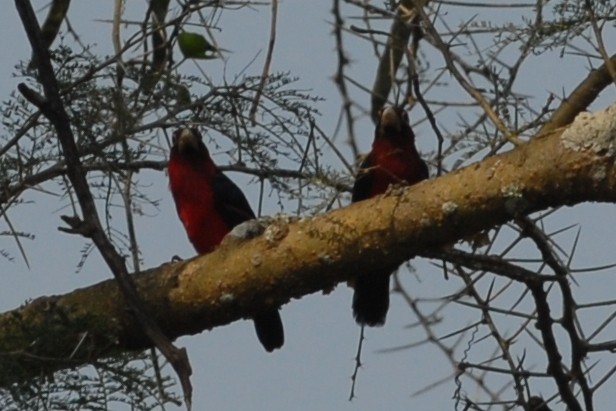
{"x": 363, "y": 182}
{"x": 229, "y": 201}
{"x": 425, "y": 173}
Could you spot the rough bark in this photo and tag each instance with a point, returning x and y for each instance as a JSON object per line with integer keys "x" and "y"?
{"x": 293, "y": 259}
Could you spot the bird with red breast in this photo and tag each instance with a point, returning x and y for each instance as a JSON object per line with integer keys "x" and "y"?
{"x": 210, "y": 205}
{"x": 393, "y": 160}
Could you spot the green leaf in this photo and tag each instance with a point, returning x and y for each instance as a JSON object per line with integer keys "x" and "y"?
{"x": 195, "y": 46}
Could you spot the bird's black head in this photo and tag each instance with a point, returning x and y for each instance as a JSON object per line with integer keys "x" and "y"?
{"x": 188, "y": 142}
{"x": 393, "y": 123}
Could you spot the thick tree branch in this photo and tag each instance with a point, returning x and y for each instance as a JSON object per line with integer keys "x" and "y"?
{"x": 291, "y": 260}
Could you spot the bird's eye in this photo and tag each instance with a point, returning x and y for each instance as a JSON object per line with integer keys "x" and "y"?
{"x": 174, "y": 136}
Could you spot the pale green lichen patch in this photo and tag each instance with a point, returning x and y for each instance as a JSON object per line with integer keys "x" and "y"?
{"x": 449, "y": 207}
{"x": 513, "y": 190}
{"x": 492, "y": 170}
{"x": 247, "y": 229}
{"x": 227, "y": 298}
{"x": 277, "y": 227}
{"x": 276, "y": 232}
{"x": 599, "y": 173}
{"x": 395, "y": 190}
{"x": 593, "y": 132}
{"x": 515, "y": 203}
{"x": 325, "y": 258}
{"x": 425, "y": 222}
{"x": 256, "y": 260}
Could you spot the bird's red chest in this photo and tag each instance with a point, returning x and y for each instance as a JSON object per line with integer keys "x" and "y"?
{"x": 195, "y": 203}
{"x": 394, "y": 165}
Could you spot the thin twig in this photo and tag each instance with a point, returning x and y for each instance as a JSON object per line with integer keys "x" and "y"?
{"x": 358, "y": 363}
{"x": 266, "y": 65}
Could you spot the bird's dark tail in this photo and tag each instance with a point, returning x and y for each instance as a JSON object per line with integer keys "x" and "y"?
{"x": 268, "y": 326}
{"x": 371, "y": 299}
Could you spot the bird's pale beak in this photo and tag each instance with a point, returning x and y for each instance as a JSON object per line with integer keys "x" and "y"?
{"x": 186, "y": 140}
{"x": 390, "y": 119}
